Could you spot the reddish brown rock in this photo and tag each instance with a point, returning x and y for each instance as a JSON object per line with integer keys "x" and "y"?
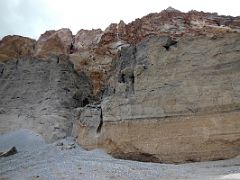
{"x": 54, "y": 42}
{"x": 16, "y": 47}
{"x": 96, "y": 66}
{"x": 170, "y": 22}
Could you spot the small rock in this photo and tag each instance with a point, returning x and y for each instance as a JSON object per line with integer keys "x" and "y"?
{"x": 8, "y": 152}
{"x": 59, "y": 144}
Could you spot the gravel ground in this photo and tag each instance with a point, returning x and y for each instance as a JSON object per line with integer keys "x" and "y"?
{"x": 66, "y": 160}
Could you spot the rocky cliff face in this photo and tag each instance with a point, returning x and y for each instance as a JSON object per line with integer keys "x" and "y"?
{"x": 164, "y": 88}
{"x": 41, "y": 95}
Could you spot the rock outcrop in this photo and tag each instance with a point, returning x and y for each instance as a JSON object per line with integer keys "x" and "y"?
{"x": 163, "y": 88}
{"x": 171, "y": 22}
{"x": 170, "y": 101}
{"x": 86, "y": 39}
{"x": 16, "y": 47}
{"x": 54, "y": 42}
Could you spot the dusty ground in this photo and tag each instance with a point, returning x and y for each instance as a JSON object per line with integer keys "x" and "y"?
{"x": 37, "y": 160}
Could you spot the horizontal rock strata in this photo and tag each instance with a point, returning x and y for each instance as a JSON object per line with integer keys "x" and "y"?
{"x": 171, "y": 101}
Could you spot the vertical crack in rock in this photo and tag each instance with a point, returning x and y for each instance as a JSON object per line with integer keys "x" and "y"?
{"x": 71, "y": 49}
{"x": 101, "y": 122}
{"x": 17, "y": 63}
{"x": 131, "y": 77}
{"x": 1, "y": 69}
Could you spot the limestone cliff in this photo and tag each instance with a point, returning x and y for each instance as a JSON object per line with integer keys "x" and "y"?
{"x": 171, "y": 101}
{"x": 163, "y": 88}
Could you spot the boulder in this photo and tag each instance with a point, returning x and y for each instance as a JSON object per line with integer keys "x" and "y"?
{"x": 8, "y": 152}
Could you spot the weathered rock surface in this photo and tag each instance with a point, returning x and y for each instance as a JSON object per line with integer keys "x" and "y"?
{"x": 86, "y": 39}
{"x": 40, "y": 95}
{"x": 54, "y": 42}
{"x": 96, "y": 66}
{"x": 16, "y": 47}
{"x": 171, "y": 101}
{"x": 171, "y": 22}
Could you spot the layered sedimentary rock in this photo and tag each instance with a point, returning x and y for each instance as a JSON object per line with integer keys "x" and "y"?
{"x": 170, "y": 101}
{"x": 41, "y": 95}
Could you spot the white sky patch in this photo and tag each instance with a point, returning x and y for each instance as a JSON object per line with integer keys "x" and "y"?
{"x": 33, "y": 17}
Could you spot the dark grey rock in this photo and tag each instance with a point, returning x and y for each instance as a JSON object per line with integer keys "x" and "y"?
{"x": 9, "y": 152}
{"x": 40, "y": 95}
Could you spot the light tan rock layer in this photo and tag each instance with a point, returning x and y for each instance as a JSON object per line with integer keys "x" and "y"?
{"x": 167, "y": 140}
